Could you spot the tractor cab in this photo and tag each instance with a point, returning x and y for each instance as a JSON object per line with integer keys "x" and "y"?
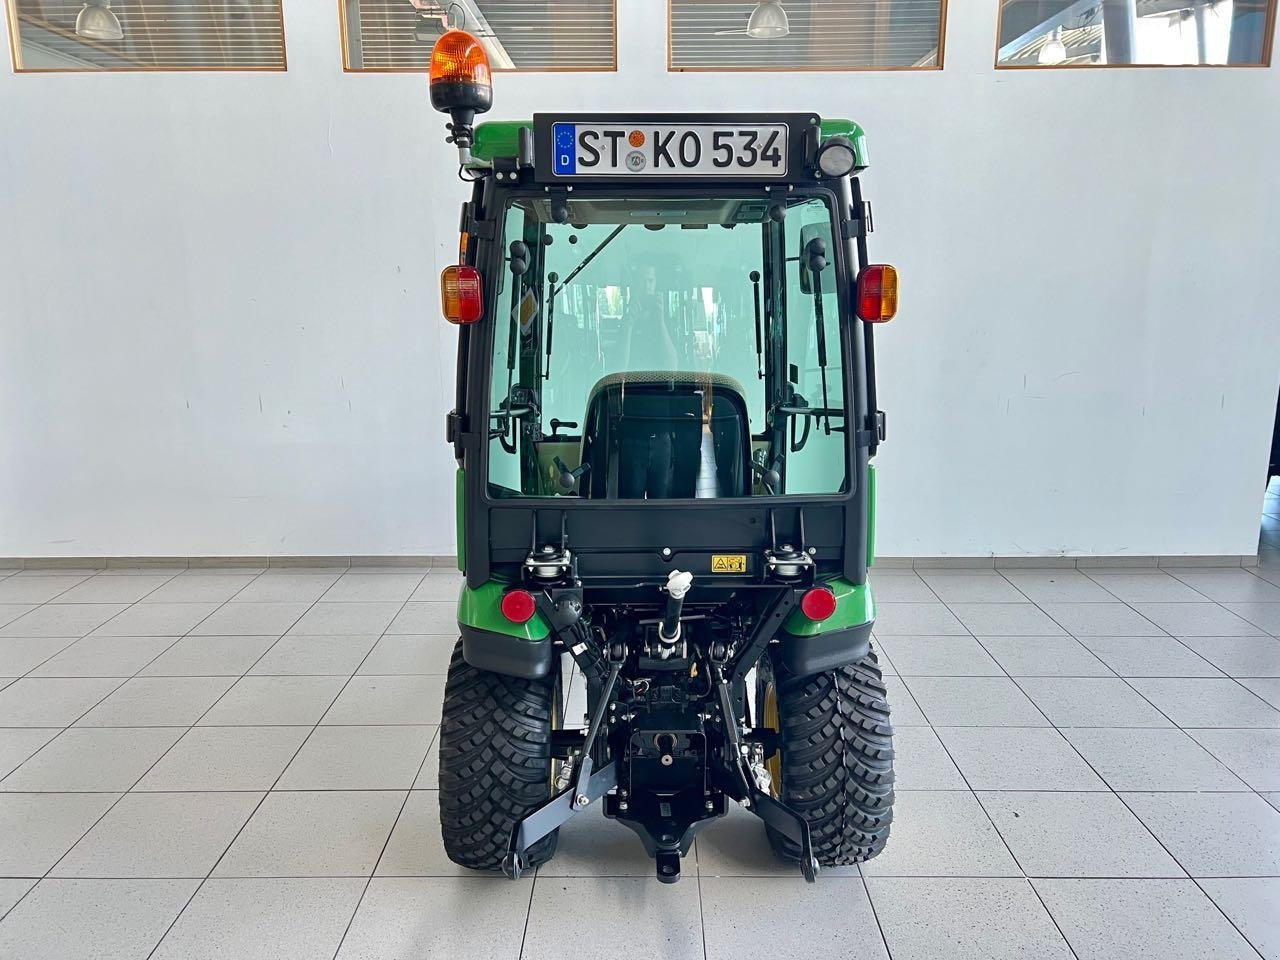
{"x": 665, "y": 415}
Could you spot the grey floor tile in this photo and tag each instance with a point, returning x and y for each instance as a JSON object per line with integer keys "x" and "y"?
{"x": 1140, "y": 919}
{"x": 1057, "y": 586}
{"x": 1264, "y": 616}
{"x": 1196, "y": 619}
{"x": 1091, "y": 702}
{"x": 971, "y": 587}
{"x": 62, "y": 620}
{"x": 1061, "y": 656}
{"x": 19, "y": 743}
{"x": 1214, "y": 834}
{"x": 388, "y": 700}
{"x": 263, "y": 919}
{"x": 358, "y": 758}
{"x": 280, "y": 838}
{"x": 903, "y": 709}
{"x": 38, "y": 828}
{"x": 13, "y": 889}
{"x": 1061, "y": 834}
{"x": 834, "y": 911}
{"x": 965, "y": 919}
{"x": 225, "y": 758}
{"x": 157, "y": 619}
{"x": 1198, "y": 702}
{"x": 439, "y": 585}
{"x": 107, "y": 588}
{"x": 1252, "y": 755}
{"x": 160, "y": 835}
{"x": 1156, "y": 586}
{"x": 1267, "y": 688}
{"x": 194, "y": 587}
{"x": 1150, "y": 657}
{"x": 572, "y": 916}
{"x": 10, "y": 612}
{"x": 944, "y": 656}
{"x": 416, "y": 848}
{"x": 736, "y": 845}
{"x": 277, "y": 586}
{"x": 429, "y": 775}
{"x": 18, "y": 655}
{"x": 1251, "y": 905}
{"x": 438, "y": 918}
{"x": 36, "y": 589}
{"x": 921, "y": 762}
{"x": 941, "y": 834}
{"x": 1164, "y": 759}
{"x": 50, "y": 701}
{"x": 409, "y": 653}
{"x": 1240, "y": 656}
{"x": 252, "y": 619}
{"x": 974, "y": 702}
{"x": 426, "y": 616}
{"x": 99, "y": 656}
{"x": 900, "y": 586}
{"x": 93, "y": 919}
{"x": 1005, "y": 619}
{"x": 1101, "y": 620}
{"x": 350, "y": 618}
{"x": 1227, "y": 586}
{"x": 315, "y": 656}
{"x": 590, "y": 845}
{"x": 1018, "y": 758}
{"x": 87, "y": 760}
{"x": 157, "y": 702}
{"x": 274, "y": 701}
{"x": 209, "y": 657}
{"x": 373, "y": 586}
{"x": 916, "y": 619}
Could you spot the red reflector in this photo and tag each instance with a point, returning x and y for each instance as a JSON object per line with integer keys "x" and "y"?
{"x": 518, "y": 606}
{"x": 818, "y": 604}
{"x": 878, "y": 293}
{"x": 460, "y": 295}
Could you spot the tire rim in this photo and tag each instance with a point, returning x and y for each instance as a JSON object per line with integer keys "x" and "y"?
{"x": 772, "y": 722}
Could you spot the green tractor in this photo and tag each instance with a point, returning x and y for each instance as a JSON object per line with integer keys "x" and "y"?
{"x": 666, "y": 412}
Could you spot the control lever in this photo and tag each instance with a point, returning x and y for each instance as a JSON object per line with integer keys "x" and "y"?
{"x": 678, "y": 585}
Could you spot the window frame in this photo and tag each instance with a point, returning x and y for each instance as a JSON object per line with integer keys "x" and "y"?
{"x": 15, "y": 44}
{"x": 817, "y": 68}
{"x": 1268, "y": 46}
{"x": 344, "y": 21}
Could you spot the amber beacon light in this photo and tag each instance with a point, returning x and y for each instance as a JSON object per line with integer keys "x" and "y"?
{"x": 461, "y": 84}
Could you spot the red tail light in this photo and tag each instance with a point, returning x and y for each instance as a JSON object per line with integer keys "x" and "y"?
{"x": 518, "y": 606}
{"x": 460, "y": 294}
{"x": 818, "y": 604}
{"x": 878, "y": 293}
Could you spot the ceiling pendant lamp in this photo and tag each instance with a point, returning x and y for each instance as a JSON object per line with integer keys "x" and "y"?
{"x": 768, "y": 21}
{"x": 96, "y": 21}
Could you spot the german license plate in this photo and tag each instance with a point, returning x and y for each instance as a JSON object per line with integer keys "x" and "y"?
{"x": 670, "y": 150}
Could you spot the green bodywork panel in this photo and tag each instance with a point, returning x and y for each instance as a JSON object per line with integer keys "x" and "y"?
{"x": 481, "y": 609}
{"x": 500, "y": 138}
{"x": 460, "y": 520}
{"x": 854, "y": 607}
{"x": 871, "y": 514}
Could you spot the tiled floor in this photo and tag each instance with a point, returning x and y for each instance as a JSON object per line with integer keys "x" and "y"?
{"x": 241, "y": 765}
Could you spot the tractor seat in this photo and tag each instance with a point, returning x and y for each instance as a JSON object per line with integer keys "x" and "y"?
{"x": 657, "y": 435}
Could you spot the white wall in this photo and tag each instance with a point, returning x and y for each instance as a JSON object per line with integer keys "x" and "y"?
{"x": 219, "y": 332}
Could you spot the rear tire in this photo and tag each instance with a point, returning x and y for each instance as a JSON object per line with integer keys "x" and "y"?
{"x": 836, "y": 760}
{"x": 495, "y": 761}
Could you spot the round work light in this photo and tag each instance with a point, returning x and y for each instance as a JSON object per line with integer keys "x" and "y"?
{"x": 837, "y": 157}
